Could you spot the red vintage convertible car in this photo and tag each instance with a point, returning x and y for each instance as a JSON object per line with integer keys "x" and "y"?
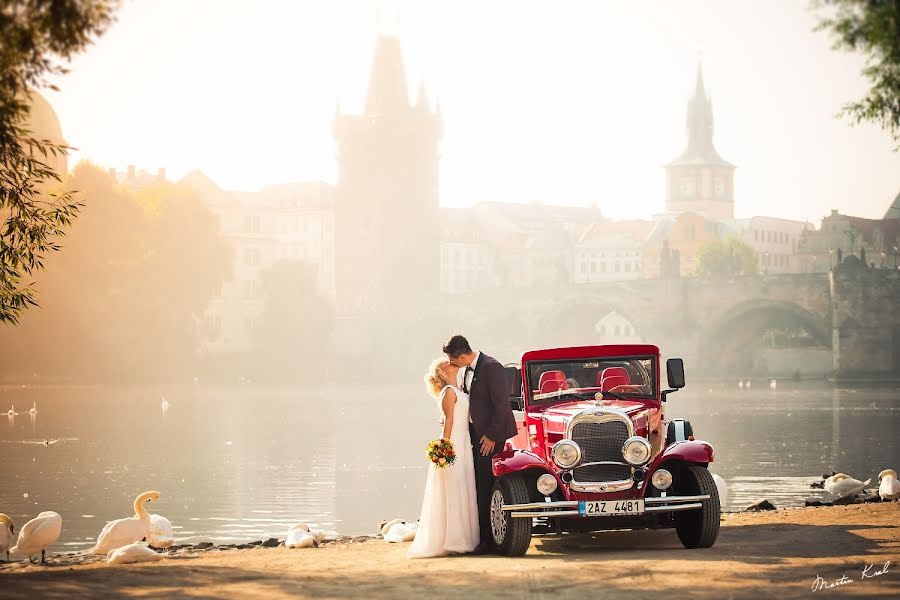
{"x": 594, "y": 450}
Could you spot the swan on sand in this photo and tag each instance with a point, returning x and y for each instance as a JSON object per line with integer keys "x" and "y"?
{"x": 299, "y": 536}
{"x": 842, "y": 485}
{"x": 37, "y": 534}
{"x": 7, "y": 534}
{"x": 122, "y": 532}
{"x": 398, "y": 530}
{"x": 161, "y": 534}
{"x": 722, "y": 487}
{"x": 889, "y": 488}
{"x": 132, "y": 553}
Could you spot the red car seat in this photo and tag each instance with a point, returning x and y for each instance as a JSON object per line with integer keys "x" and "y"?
{"x": 609, "y": 371}
{"x": 552, "y": 381}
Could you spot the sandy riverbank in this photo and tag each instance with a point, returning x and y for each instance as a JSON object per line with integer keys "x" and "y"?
{"x": 775, "y": 554}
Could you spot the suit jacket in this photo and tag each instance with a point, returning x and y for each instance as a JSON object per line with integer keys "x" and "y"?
{"x": 489, "y": 404}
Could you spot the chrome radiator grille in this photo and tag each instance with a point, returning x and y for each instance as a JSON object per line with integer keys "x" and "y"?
{"x": 598, "y": 442}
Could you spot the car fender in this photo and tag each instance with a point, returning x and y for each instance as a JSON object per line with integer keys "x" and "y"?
{"x": 693, "y": 451}
{"x": 511, "y": 461}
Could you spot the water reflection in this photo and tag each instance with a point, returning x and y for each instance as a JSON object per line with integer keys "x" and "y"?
{"x": 242, "y": 463}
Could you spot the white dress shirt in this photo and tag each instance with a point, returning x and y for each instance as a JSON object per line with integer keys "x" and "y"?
{"x": 467, "y": 384}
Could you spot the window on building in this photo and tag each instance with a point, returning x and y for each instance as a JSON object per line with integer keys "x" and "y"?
{"x": 686, "y": 186}
{"x": 618, "y": 331}
{"x": 603, "y": 267}
{"x": 718, "y": 186}
{"x": 251, "y": 224}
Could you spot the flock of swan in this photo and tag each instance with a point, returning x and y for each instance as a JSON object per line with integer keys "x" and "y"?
{"x": 120, "y": 540}
{"x": 745, "y": 385}
{"x": 842, "y": 485}
{"x": 128, "y": 540}
{"x": 11, "y": 413}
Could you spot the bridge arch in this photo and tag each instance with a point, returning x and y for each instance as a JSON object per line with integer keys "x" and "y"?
{"x": 736, "y": 342}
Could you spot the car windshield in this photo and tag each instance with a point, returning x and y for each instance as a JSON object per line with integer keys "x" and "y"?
{"x": 629, "y": 377}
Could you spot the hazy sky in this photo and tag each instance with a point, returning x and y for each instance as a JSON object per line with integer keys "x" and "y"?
{"x": 559, "y": 102}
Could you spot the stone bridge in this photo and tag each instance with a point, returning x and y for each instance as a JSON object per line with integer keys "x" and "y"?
{"x": 851, "y": 314}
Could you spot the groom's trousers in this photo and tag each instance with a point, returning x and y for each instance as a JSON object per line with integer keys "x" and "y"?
{"x": 484, "y": 483}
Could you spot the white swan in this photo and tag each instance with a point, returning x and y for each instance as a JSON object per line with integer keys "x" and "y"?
{"x": 299, "y": 536}
{"x": 12, "y": 411}
{"x": 747, "y": 385}
{"x": 889, "y": 489}
{"x": 722, "y": 487}
{"x": 741, "y": 384}
{"x": 161, "y": 534}
{"x": 399, "y": 530}
{"x": 132, "y": 553}
{"x": 33, "y": 411}
{"x": 7, "y": 534}
{"x": 842, "y": 485}
{"x": 165, "y": 404}
{"x": 37, "y": 534}
{"x": 122, "y": 532}
{"x": 773, "y": 384}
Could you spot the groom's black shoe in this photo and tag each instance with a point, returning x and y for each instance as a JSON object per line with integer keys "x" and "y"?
{"x": 482, "y": 549}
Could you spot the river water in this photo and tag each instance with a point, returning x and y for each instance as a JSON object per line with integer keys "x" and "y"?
{"x": 242, "y": 463}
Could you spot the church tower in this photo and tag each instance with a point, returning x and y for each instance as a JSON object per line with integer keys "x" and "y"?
{"x": 387, "y": 235}
{"x": 700, "y": 180}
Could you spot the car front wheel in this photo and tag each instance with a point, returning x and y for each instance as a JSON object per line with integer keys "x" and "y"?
{"x": 698, "y": 528}
{"x": 511, "y": 535}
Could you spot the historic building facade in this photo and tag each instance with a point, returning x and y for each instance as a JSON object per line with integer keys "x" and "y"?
{"x": 287, "y": 222}
{"x": 874, "y": 241}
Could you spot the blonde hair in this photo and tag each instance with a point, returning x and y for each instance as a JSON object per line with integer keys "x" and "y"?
{"x": 434, "y": 381}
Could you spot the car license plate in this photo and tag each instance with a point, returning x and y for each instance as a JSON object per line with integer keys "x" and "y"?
{"x": 609, "y": 508}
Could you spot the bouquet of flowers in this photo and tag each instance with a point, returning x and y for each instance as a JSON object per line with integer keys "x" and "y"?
{"x": 441, "y": 452}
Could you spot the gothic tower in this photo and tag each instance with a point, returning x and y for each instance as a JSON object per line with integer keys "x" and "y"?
{"x": 387, "y": 245}
{"x": 700, "y": 180}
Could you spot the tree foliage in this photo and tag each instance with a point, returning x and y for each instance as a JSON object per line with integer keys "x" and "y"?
{"x": 125, "y": 301}
{"x": 36, "y": 37}
{"x": 726, "y": 258}
{"x": 873, "y": 28}
{"x": 292, "y": 336}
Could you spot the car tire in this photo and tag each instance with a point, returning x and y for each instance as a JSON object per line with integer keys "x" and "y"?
{"x": 698, "y": 528}
{"x": 512, "y": 536}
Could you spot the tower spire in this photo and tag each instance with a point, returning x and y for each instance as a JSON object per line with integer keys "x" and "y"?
{"x": 387, "y": 93}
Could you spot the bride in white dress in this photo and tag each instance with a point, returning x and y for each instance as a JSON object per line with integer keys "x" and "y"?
{"x": 449, "y": 519}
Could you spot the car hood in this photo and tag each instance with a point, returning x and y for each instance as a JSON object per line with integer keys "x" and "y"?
{"x": 567, "y": 410}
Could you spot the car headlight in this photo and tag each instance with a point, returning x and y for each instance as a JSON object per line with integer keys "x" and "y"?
{"x": 662, "y": 479}
{"x": 636, "y": 450}
{"x": 546, "y": 484}
{"x": 566, "y": 454}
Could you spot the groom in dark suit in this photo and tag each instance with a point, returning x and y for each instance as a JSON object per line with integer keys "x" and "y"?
{"x": 491, "y": 421}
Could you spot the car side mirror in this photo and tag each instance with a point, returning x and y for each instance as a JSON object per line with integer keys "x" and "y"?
{"x": 675, "y": 373}
{"x": 514, "y": 383}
